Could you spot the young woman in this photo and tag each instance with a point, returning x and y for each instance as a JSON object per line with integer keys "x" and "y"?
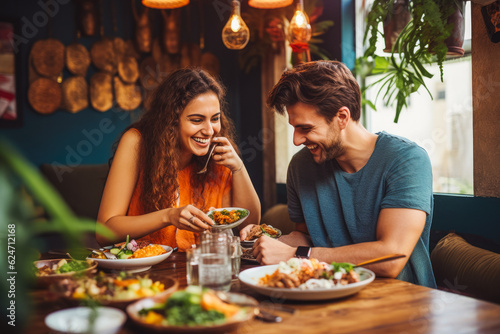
{"x": 153, "y": 188}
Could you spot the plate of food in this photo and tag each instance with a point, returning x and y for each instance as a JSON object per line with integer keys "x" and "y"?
{"x": 131, "y": 256}
{"x": 194, "y": 309}
{"x": 114, "y": 290}
{"x": 259, "y": 230}
{"x": 247, "y": 255}
{"x": 307, "y": 279}
{"x": 54, "y": 270}
{"x": 226, "y": 218}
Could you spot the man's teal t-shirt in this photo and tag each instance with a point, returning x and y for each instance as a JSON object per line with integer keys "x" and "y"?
{"x": 342, "y": 208}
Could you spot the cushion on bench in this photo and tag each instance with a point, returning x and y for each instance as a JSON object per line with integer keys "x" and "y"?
{"x": 460, "y": 267}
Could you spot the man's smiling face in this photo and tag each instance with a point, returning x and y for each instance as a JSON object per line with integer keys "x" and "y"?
{"x": 312, "y": 130}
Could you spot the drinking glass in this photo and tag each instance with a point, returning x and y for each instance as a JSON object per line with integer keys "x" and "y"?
{"x": 192, "y": 262}
{"x": 227, "y": 231}
{"x": 214, "y": 266}
{"x": 236, "y": 252}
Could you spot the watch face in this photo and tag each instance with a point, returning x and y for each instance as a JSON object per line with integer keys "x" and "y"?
{"x": 303, "y": 252}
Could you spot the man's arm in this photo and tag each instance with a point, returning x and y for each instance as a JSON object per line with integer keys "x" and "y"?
{"x": 398, "y": 231}
{"x": 299, "y": 237}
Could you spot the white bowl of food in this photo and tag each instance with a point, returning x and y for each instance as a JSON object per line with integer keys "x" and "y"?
{"x": 107, "y": 320}
{"x": 132, "y": 257}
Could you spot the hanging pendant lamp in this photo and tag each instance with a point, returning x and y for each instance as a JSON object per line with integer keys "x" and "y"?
{"x": 165, "y": 4}
{"x": 235, "y": 33}
{"x": 299, "y": 30}
{"x": 269, "y": 4}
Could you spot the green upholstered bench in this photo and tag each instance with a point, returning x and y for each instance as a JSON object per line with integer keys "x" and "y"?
{"x": 81, "y": 187}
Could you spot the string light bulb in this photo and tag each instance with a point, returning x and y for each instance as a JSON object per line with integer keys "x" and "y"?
{"x": 235, "y": 33}
{"x": 299, "y": 30}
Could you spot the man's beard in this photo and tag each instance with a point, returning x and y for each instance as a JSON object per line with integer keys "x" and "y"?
{"x": 332, "y": 149}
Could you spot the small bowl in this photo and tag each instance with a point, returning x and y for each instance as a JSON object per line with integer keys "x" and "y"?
{"x": 231, "y": 225}
{"x": 45, "y": 281}
{"x": 247, "y": 243}
{"x": 76, "y": 320}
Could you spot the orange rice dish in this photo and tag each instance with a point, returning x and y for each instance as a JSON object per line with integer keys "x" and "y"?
{"x": 150, "y": 250}
{"x": 225, "y": 217}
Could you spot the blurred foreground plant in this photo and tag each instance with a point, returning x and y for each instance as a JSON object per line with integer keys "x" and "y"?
{"x": 21, "y": 187}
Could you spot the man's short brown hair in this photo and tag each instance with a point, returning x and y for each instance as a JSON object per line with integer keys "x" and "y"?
{"x": 326, "y": 85}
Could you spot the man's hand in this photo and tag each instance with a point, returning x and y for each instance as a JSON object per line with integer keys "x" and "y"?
{"x": 246, "y": 231}
{"x": 271, "y": 251}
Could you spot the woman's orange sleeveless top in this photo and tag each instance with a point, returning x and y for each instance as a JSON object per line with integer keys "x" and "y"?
{"x": 213, "y": 195}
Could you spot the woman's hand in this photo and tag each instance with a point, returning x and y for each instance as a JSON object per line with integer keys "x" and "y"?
{"x": 189, "y": 218}
{"x": 224, "y": 154}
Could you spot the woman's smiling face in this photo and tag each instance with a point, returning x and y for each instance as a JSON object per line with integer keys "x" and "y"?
{"x": 199, "y": 122}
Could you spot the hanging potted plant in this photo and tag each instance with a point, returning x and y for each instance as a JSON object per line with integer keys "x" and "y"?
{"x": 398, "y": 16}
{"x": 422, "y": 41}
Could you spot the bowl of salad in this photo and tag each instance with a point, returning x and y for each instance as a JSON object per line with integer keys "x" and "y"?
{"x": 194, "y": 309}
{"x": 226, "y": 218}
{"x": 54, "y": 270}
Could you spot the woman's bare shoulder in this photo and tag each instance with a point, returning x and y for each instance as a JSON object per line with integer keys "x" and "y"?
{"x": 131, "y": 137}
{"x": 132, "y": 133}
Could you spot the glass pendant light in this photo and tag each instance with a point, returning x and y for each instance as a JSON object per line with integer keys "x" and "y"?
{"x": 235, "y": 33}
{"x": 299, "y": 30}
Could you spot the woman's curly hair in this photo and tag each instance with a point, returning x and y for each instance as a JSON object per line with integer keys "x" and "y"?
{"x": 160, "y": 145}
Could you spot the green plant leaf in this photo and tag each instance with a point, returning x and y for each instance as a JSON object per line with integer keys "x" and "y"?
{"x": 422, "y": 41}
{"x": 368, "y": 102}
{"x": 381, "y": 65}
{"x": 322, "y": 27}
{"x": 315, "y": 41}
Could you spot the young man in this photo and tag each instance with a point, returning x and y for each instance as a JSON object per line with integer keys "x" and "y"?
{"x": 354, "y": 195}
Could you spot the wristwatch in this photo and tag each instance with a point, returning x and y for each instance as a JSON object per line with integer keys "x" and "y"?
{"x": 303, "y": 252}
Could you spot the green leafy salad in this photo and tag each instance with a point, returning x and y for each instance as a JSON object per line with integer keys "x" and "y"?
{"x": 225, "y": 217}
{"x": 72, "y": 266}
{"x": 62, "y": 267}
{"x": 193, "y": 306}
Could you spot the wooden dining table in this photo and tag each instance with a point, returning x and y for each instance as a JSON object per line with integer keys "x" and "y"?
{"x": 383, "y": 306}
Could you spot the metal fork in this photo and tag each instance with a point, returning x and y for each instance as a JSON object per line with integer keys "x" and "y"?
{"x": 204, "y": 170}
